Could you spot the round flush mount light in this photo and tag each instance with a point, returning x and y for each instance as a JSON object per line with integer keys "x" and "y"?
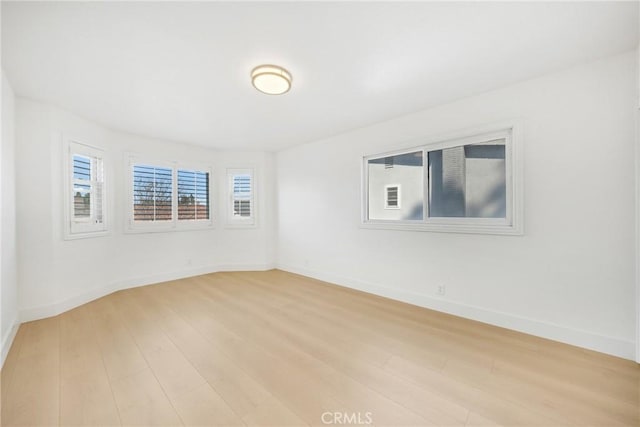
{"x": 271, "y": 79}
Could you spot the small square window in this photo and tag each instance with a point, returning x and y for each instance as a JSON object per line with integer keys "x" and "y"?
{"x": 241, "y": 193}
{"x": 392, "y": 197}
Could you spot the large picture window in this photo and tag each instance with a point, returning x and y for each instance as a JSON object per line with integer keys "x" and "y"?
{"x": 86, "y": 194}
{"x": 167, "y": 196}
{"x": 459, "y": 185}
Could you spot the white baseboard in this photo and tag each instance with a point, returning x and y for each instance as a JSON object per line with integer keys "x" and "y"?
{"x": 7, "y": 340}
{"x": 43, "y": 311}
{"x": 245, "y": 267}
{"x": 610, "y": 345}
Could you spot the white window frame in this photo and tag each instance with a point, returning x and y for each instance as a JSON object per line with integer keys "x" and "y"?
{"x": 174, "y": 224}
{"x": 232, "y": 220}
{"x": 398, "y": 188}
{"x": 81, "y": 229}
{"x": 194, "y": 223}
{"x": 511, "y": 225}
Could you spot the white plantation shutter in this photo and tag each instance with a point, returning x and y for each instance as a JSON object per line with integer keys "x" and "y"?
{"x": 193, "y": 195}
{"x": 152, "y": 193}
{"x": 82, "y": 187}
{"x": 241, "y": 196}
{"x": 86, "y": 194}
{"x": 168, "y": 196}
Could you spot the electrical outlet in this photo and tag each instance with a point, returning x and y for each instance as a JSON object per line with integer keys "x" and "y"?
{"x": 442, "y": 289}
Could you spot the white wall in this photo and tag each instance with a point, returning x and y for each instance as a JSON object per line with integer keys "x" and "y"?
{"x": 637, "y": 206}
{"x": 8, "y": 276}
{"x": 569, "y": 278}
{"x": 57, "y": 274}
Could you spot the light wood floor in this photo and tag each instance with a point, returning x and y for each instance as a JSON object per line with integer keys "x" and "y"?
{"x": 273, "y": 348}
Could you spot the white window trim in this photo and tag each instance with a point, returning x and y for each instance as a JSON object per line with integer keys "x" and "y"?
{"x": 512, "y": 225}
{"x": 72, "y": 232}
{"x": 234, "y": 222}
{"x": 174, "y": 224}
{"x": 185, "y": 224}
{"x": 398, "y": 196}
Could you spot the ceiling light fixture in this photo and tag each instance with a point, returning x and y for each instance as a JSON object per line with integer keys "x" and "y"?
{"x": 271, "y": 79}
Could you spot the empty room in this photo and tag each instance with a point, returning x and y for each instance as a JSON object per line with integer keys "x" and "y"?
{"x": 320, "y": 213}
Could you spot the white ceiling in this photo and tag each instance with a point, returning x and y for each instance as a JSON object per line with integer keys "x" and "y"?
{"x": 180, "y": 71}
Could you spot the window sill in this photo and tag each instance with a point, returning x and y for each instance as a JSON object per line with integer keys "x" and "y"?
{"x": 85, "y": 235}
{"x": 240, "y": 225}
{"x": 169, "y": 228}
{"x": 490, "y": 229}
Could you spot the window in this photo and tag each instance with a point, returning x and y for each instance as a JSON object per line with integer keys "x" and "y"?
{"x": 85, "y": 195}
{"x": 166, "y": 196}
{"x": 468, "y": 181}
{"x": 241, "y": 197}
{"x": 152, "y": 193}
{"x": 386, "y": 201}
{"x": 392, "y": 197}
{"x": 459, "y": 185}
{"x": 193, "y": 195}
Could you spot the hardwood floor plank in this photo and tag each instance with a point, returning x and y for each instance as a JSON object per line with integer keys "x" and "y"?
{"x": 86, "y": 399}
{"x": 34, "y": 394}
{"x": 203, "y": 406}
{"x": 141, "y": 401}
{"x": 271, "y": 412}
{"x": 41, "y": 336}
{"x": 120, "y": 354}
{"x": 6, "y": 374}
{"x": 476, "y": 420}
